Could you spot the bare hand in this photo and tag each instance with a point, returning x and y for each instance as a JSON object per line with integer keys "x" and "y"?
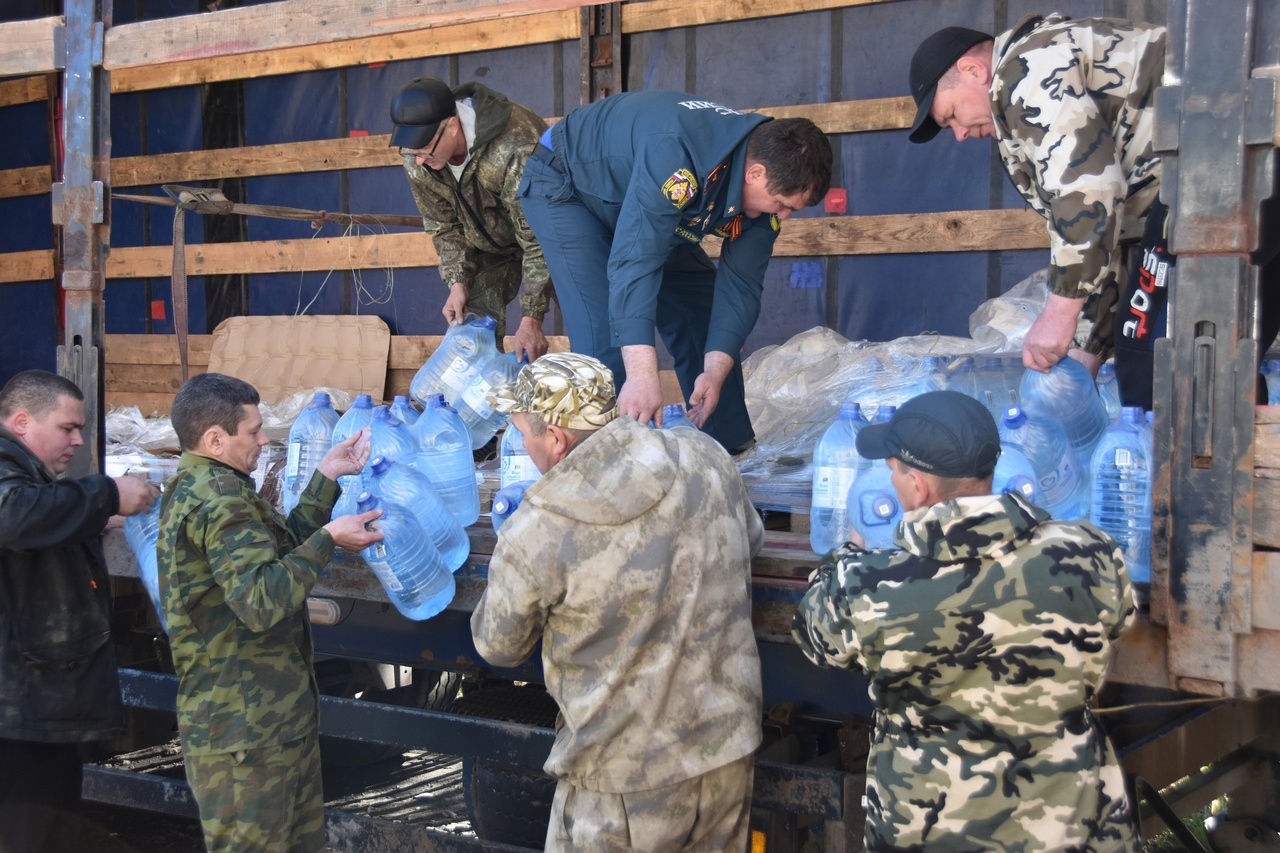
{"x": 455, "y": 307}
{"x": 1050, "y": 336}
{"x": 706, "y": 388}
{"x": 641, "y": 395}
{"x": 346, "y": 457}
{"x": 136, "y": 496}
{"x": 531, "y": 344}
{"x": 1088, "y": 359}
{"x": 349, "y": 531}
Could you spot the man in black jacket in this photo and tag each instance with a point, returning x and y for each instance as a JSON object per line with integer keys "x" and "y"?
{"x": 58, "y": 682}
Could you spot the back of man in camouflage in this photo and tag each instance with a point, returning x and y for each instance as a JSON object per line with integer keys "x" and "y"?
{"x": 985, "y": 636}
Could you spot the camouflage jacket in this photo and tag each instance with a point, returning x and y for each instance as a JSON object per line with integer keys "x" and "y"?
{"x": 631, "y": 561}
{"x": 234, "y": 578}
{"x": 480, "y": 214}
{"x": 58, "y": 680}
{"x": 984, "y": 640}
{"x": 1073, "y": 107}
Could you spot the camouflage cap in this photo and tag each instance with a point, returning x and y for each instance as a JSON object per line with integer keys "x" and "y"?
{"x": 566, "y": 389}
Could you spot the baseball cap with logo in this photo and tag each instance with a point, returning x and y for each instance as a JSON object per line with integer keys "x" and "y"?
{"x": 941, "y": 432}
{"x": 566, "y": 389}
{"x": 933, "y": 58}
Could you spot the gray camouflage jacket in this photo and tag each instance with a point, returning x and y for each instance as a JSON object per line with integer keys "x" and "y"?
{"x": 984, "y": 640}
{"x": 1073, "y": 107}
{"x": 234, "y": 578}
{"x": 631, "y": 561}
{"x": 480, "y": 214}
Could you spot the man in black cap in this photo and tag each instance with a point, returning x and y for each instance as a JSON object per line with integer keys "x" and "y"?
{"x": 985, "y": 635}
{"x": 464, "y": 152}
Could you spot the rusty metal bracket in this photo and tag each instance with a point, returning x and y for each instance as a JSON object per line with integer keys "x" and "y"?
{"x": 600, "y": 48}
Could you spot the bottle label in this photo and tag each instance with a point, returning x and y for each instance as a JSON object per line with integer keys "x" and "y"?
{"x": 831, "y": 486}
{"x": 455, "y": 376}
{"x": 293, "y": 459}
{"x": 1057, "y": 485}
{"x": 474, "y": 396}
{"x": 517, "y": 468}
{"x": 380, "y": 567}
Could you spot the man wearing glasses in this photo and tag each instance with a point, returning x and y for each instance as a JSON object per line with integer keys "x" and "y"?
{"x": 464, "y": 152}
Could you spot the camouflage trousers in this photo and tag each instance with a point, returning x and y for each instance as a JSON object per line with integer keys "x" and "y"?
{"x": 711, "y": 812}
{"x": 266, "y": 800}
{"x": 495, "y": 283}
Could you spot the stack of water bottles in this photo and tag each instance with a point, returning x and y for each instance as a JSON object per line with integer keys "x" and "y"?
{"x": 406, "y": 562}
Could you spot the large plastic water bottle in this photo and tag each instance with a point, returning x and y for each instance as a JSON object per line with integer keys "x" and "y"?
{"x": 1068, "y": 395}
{"x": 402, "y": 407}
{"x": 1109, "y": 390}
{"x": 444, "y": 455}
{"x": 1270, "y": 370}
{"x": 310, "y": 438}
{"x": 991, "y": 388}
{"x": 1121, "y": 505}
{"x": 507, "y": 500}
{"x": 835, "y": 464}
{"x": 874, "y": 510}
{"x": 1063, "y": 488}
{"x": 673, "y": 417}
{"x": 405, "y": 562}
{"x": 405, "y": 485}
{"x": 933, "y": 375}
{"x": 354, "y": 419}
{"x": 1015, "y": 473}
{"x": 960, "y": 376}
{"x": 473, "y": 403}
{"x": 456, "y": 365}
{"x": 142, "y": 531}
{"x": 514, "y": 463}
{"x": 389, "y": 437}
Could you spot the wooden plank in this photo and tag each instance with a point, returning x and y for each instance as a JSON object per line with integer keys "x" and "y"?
{"x": 1266, "y": 445}
{"x": 1266, "y": 590}
{"x": 297, "y": 23}
{"x": 145, "y": 378}
{"x": 149, "y": 404}
{"x": 668, "y": 14}
{"x": 27, "y": 47}
{"x": 1266, "y": 512}
{"x": 24, "y": 91}
{"x": 852, "y": 116}
{"x": 156, "y": 349}
{"x": 29, "y": 180}
{"x": 35, "y": 265}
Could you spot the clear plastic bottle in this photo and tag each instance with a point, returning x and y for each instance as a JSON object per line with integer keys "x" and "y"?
{"x": 444, "y": 455}
{"x": 1063, "y": 488}
{"x": 389, "y": 437}
{"x": 473, "y": 403}
{"x": 514, "y": 462}
{"x": 402, "y": 407}
{"x": 835, "y": 464}
{"x": 1121, "y": 504}
{"x": 397, "y": 483}
{"x": 1109, "y": 390}
{"x": 354, "y": 419}
{"x": 960, "y": 376}
{"x": 142, "y": 531}
{"x": 673, "y": 417}
{"x": 1068, "y": 395}
{"x": 874, "y": 510}
{"x": 1015, "y": 473}
{"x": 405, "y": 562}
{"x": 507, "y": 500}
{"x": 456, "y": 365}
{"x": 989, "y": 379}
{"x": 310, "y": 438}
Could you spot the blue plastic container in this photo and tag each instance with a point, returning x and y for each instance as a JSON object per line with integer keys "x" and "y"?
{"x": 673, "y": 417}
{"x": 402, "y": 407}
{"x": 1015, "y": 474}
{"x": 142, "y": 531}
{"x": 444, "y": 456}
{"x": 473, "y": 403}
{"x": 1121, "y": 503}
{"x": 405, "y": 562}
{"x": 354, "y": 419}
{"x": 1109, "y": 390}
{"x": 507, "y": 500}
{"x": 1068, "y": 395}
{"x": 396, "y": 483}
{"x": 514, "y": 463}
{"x": 389, "y": 437}
{"x": 835, "y": 464}
{"x": 310, "y": 438}
{"x": 873, "y": 505}
{"x": 1063, "y": 486}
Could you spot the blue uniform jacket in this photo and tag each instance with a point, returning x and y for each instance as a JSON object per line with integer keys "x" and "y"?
{"x": 664, "y": 169}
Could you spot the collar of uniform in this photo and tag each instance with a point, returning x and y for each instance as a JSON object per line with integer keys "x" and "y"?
{"x": 731, "y": 183}
{"x": 195, "y": 460}
{"x": 22, "y": 454}
{"x": 982, "y": 526}
{"x": 1017, "y": 33}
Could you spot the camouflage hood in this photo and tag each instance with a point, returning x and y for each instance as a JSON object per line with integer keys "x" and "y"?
{"x": 597, "y": 490}
{"x": 984, "y": 526}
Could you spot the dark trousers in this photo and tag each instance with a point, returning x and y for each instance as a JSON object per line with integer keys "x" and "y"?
{"x": 576, "y": 245}
{"x": 40, "y": 797}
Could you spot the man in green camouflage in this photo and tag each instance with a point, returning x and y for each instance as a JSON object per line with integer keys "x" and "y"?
{"x": 631, "y": 560}
{"x": 234, "y": 578}
{"x": 464, "y": 152}
{"x": 985, "y": 635}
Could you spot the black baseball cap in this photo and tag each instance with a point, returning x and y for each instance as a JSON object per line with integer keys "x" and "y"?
{"x": 417, "y": 110}
{"x": 940, "y": 432}
{"x": 932, "y": 59}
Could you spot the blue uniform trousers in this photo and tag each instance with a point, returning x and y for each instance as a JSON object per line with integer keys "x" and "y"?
{"x": 576, "y": 245}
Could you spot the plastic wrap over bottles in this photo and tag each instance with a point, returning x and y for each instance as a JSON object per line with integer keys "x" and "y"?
{"x": 354, "y": 419}
{"x": 396, "y": 483}
{"x": 405, "y": 562}
{"x": 507, "y": 500}
{"x": 310, "y": 438}
{"x": 835, "y": 464}
{"x": 1063, "y": 487}
{"x": 990, "y": 383}
{"x": 141, "y": 532}
{"x": 1067, "y": 394}
{"x": 673, "y": 417}
{"x": 402, "y": 407}
{"x": 514, "y": 461}
{"x": 389, "y": 437}
{"x": 444, "y": 455}
{"x": 874, "y": 510}
{"x": 1015, "y": 473}
{"x": 960, "y": 376}
{"x": 1109, "y": 390}
{"x": 473, "y": 403}
{"x": 1121, "y": 503}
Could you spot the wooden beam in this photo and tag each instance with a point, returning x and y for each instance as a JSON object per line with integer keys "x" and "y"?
{"x": 35, "y": 265}
{"x": 29, "y": 180}
{"x": 297, "y": 23}
{"x": 24, "y": 91}
{"x": 27, "y": 47}
{"x": 669, "y": 14}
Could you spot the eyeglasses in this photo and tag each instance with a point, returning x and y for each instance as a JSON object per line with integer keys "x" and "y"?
{"x": 430, "y": 152}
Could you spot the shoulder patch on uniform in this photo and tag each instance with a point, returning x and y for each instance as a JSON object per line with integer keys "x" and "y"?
{"x": 227, "y": 482}
{"x": 680, "y": 188}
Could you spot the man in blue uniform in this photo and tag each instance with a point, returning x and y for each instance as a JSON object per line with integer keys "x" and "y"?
{"x": 621, "y": 193}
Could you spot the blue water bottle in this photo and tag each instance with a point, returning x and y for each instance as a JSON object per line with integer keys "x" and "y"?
{"x": 354, "y": 419}
{"x": 473, "y": 403}
{"x": 835, "y": 464}
{"x": 389, "y": 437}
{"x": 873, "y": 505}
{"x": 673, "y": 417}
{"x": 405, "y": 562}
{"x": 402, "y": 407}
{"x": 1109, "y": 390}
{"x": 1121, "y": 505}
{"x": 514, "y": 462}
{"x": 1015, "y": 474}
{"x": 1063, "y": 488}
{"x": 1068, "y": 395}
{"x": 142, "y": 531}
{"x": 310, "y": 438}
{"x": 444, "y": 455}
{"x": 396, "y": 483}
{"x": 507, "y": 500}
